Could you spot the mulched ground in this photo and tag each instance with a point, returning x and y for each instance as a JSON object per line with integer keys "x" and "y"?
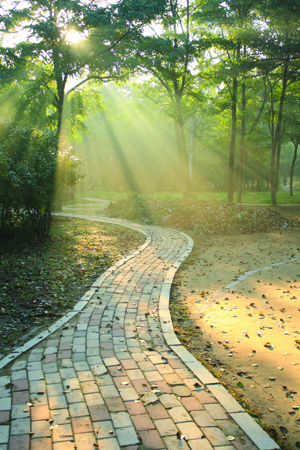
{"x": 198, "y": 217}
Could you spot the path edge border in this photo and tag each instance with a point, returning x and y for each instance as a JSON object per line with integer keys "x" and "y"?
{"x": 253, "y": 430}
{"x": 84, "y": 300}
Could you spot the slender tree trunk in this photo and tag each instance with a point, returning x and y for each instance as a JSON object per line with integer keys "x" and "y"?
{"x": 60, "y": 83}
{"x": 232, "y": 141}
{"x": 293, "y": 165}
{"x": 181, "y": 148}
{"x": 193, "y": 130}
{"x": 276, "y": 137}
{"x": 59, "y": 117}
{"x": 241, "y": 166}
{"x": 272, "y": 175}
{"x": 277, "y": 166}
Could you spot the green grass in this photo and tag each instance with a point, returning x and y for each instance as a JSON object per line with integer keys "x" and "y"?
{"x": 250, "y": 197}
{"x": 282, "y": 197}
{"x": 263, "y": 197}
{"x": 101, "y": 193}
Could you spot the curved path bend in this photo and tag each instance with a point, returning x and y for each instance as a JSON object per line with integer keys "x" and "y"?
{"x": 112, "y": 374}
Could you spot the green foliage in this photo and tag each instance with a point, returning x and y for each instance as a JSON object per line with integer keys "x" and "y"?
{"x": 68, "y": 171}
{"x": 189, "y": 50}
{"x": 138, "y": 208}
{"x": 27, "y": 180}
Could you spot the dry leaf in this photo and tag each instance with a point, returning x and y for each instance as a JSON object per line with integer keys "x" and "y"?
{"x": 230, "y": 438}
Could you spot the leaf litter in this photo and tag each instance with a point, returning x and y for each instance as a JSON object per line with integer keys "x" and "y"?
{"x": 216, "y": 263}
{"x": 42, "y": 280}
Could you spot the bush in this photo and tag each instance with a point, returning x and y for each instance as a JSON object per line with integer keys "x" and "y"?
{"x": 28, "y": 161}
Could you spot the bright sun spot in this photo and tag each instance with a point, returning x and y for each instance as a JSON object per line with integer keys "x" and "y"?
{"x": 73, "y": 36}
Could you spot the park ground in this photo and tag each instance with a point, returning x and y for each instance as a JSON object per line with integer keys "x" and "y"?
{"x": 248, "y": 335}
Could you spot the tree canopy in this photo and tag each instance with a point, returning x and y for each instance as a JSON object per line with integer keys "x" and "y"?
{"x": 226, "y": 73}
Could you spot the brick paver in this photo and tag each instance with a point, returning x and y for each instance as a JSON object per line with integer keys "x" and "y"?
{"x": 112, "y": 374}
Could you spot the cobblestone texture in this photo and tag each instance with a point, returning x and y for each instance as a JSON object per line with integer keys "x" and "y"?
{"x": 112, "y": 374}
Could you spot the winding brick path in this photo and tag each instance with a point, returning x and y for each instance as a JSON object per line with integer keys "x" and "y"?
{"x": 112, "y": 373}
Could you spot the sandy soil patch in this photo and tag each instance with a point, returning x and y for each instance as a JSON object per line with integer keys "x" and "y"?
{"x": 243, "y": 296}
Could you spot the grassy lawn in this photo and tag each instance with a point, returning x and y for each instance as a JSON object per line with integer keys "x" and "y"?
{"x": 42, "y": 280}
{"x": 254, "y": 197}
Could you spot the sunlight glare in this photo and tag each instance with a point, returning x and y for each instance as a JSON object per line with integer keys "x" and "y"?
{"x": 73, "y": 36}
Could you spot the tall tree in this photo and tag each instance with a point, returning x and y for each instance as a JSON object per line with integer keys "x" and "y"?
{"x": 51, "y": 53}
{"x": 276, "y": 50}
{"x": 230, "y": 21}
{"x": 168, "y": 52}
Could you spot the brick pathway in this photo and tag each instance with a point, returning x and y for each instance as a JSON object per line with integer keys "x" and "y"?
{"x": 112, "y": 373}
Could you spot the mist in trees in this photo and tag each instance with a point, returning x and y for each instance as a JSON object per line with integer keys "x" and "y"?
{"x": 178, "y": 95}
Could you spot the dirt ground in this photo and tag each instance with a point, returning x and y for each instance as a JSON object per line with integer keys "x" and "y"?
{"x": 242, "y": 301}
{"x": 243, "y": 296}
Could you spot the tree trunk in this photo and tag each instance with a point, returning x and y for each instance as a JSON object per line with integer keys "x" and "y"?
{"x": 241, "y": 166}
{"x": 277, "y": 166}
{"x": 59, "y": 117}
{"x": 272, "y": 175}
{"x": 293, "y": 165}
{"x": 232, "y": 141}
{"x": 193, "y": 130}
{"x": 181, "y": 148}
{"x": 276, "y": 137}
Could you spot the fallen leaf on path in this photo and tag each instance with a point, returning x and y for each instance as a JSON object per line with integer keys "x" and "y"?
{"x": 230, "y": 438}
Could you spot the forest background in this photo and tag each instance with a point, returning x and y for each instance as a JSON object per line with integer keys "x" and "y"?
{"x": 168, "y": 95}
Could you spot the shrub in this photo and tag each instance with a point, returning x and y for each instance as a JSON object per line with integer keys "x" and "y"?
{"x": 27, "y": 180}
